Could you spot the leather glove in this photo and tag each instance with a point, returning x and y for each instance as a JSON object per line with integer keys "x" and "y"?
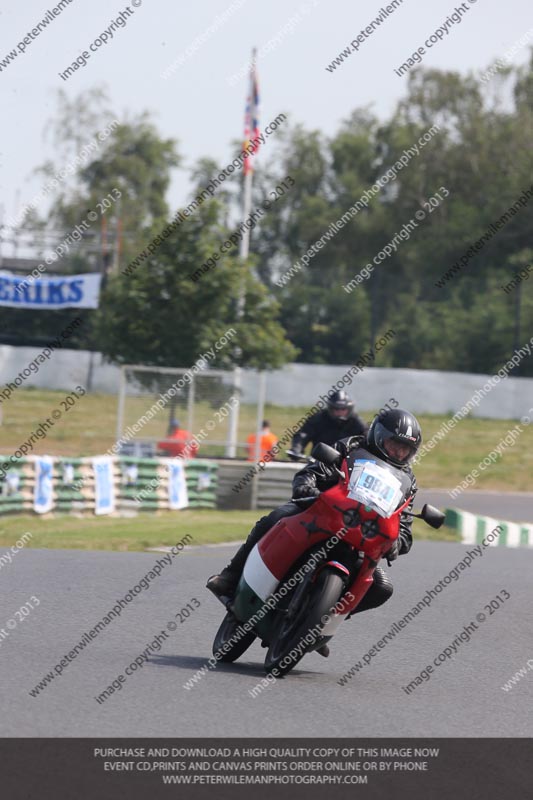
{"x": 306, "y": 490}
{"x": 393, "y": 553}
{"x": 344, "y": 446}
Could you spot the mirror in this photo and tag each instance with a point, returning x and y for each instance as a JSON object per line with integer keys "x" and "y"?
{"x": 432, "y": 516}
{"x": 326, "y": 454}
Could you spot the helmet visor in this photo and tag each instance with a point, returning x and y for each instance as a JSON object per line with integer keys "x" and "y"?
{"x": 395, "y": 448}
{"x": 339, "y": 413}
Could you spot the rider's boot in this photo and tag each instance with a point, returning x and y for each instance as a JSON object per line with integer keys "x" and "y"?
{"x": 225, "y": 584}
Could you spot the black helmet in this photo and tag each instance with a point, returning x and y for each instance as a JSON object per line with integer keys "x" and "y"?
{"x": 339, "y": 401}
{"x": 399, "y": 426}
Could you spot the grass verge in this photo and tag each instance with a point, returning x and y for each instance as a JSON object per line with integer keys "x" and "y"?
{"x": 149, "y": 530}
{"x": 89, "y": 429}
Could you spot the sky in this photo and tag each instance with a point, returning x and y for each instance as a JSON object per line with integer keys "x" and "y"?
{"x": 201, "y": 104}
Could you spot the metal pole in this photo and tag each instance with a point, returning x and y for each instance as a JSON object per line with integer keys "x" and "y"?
{"x": 116, "y": 243}
{"x": 190, "y": 406}
{"x": 244, "y": 249}
{"x": 233, "y": 421}
{"x": 260, "y": 415}
{"x": 517, "y": 345}
{"x": 90, "y": 372}
{"x": 121, "y": 402}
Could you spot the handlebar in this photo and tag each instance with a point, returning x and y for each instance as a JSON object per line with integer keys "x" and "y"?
{"x": 296, "y": 456}
{"x": 303, "y": 499}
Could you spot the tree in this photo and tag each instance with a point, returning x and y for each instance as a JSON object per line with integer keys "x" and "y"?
{"x": 158, "y": 315}
{"x": 133, "y": 162}
{"x": 478, "y": 160}
{"x": 481, "y": 155}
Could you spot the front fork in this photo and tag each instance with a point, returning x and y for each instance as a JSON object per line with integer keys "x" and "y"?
{"x": 352, "y": 596}
{"x": 359, "y": 587}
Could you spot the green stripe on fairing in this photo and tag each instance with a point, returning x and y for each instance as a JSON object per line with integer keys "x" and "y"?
{"x": 246, "y": 604}
{"x": 524, "y": 536}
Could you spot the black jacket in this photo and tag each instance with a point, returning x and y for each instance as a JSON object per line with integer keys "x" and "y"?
{"x": 319, "y": 476}
{"x": 321, "y": 427}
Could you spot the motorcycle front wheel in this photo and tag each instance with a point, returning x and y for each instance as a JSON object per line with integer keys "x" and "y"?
{"x": 296, "y": 624}
{"x": 228, "y": 631}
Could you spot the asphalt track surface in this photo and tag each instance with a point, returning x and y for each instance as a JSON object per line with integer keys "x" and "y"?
{"x": 508, "y": 506}
{"x": 76, "y": 589}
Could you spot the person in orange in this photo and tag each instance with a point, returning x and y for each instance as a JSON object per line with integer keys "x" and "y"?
{"x": 179, "y": 443}
{"x": 268, "y": 440}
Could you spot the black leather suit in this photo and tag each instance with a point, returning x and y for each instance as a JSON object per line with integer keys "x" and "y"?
{"x": 322, "y": 427}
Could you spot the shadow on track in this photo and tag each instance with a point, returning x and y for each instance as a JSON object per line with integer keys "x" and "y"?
{"x": 194, "y": 663}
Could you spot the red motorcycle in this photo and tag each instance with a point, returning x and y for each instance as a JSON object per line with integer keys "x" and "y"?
{"x": 311, "y": 570}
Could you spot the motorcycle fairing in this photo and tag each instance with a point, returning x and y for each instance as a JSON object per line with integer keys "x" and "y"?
{"x": 289, "y": 539}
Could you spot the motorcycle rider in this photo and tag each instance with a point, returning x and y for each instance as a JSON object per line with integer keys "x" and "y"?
{"x": 337, "y": 421}
{"x": 394, "y": 436}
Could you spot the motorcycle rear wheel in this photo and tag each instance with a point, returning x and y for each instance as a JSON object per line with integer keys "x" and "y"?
{"x": 228, "y": 629}
{"x": 322, "y": 597}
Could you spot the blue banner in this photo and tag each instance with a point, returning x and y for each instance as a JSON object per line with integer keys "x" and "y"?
{"x": 43, "y": 498}
{"x": 65, "y": 291}
{"x": 104, "y": 486}
{"x": 177, "y": 485}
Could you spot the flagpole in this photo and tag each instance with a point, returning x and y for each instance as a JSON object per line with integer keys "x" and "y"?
{"x": 244, "y": 251}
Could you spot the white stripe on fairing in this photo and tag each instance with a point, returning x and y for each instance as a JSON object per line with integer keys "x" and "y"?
{"x": 334, "y": 622}
{"x": 258, "y": 576}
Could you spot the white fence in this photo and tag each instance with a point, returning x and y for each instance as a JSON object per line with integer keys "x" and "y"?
{"x": 422, "y": 391}
{"x": 208, "y": 403}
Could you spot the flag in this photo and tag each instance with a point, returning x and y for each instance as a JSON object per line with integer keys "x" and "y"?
{"x": 251, "y": 118}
